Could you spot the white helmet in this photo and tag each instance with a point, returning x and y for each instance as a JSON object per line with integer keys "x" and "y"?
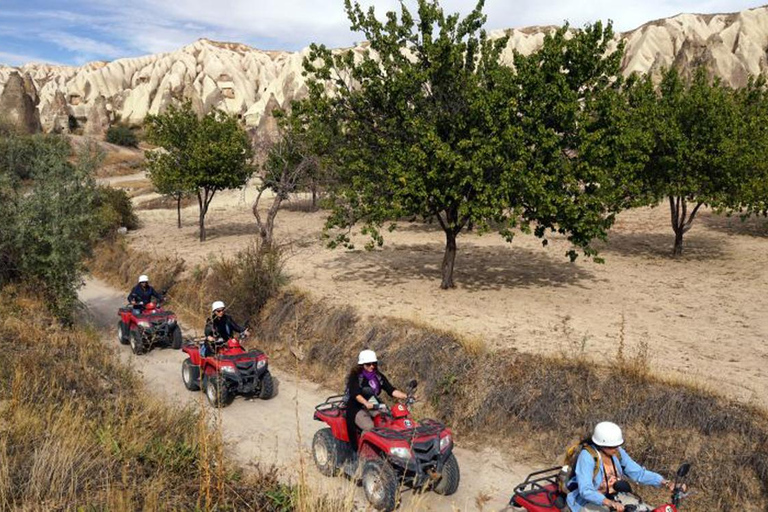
{"x": 367, "y": 357}
{"x": 217, "y": 305}
{"x": 143, "y": 279}
{"x": 607, "y": 435}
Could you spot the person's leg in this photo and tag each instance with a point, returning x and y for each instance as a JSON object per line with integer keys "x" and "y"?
{"x": 629, "y": 499}
{"x": 589, "y": 507}
{"x": 363, "y": 420}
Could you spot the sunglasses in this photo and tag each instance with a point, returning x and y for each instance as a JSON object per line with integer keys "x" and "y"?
{"x": 219, "y": 311}
{"x": 370, "y": 364}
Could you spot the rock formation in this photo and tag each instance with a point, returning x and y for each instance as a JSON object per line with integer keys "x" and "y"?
{"x": 250, "y": 83}
{"x": 18, "y": 104}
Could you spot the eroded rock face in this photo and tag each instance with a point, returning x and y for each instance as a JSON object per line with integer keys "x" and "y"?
{"x": 18, "y": 105}
{"x": 249, "y": 83}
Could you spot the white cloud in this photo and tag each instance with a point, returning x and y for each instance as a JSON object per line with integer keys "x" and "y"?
{"x": 107, "y": 29}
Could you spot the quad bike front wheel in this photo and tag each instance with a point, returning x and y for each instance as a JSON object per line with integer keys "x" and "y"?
{"x": 267, "y": 390}
{"x": 123, "y": 336}
{"x": 217, "y": 392}
{"x": 176, "y": 338}
{"x": 190, "y": 374}
{"x": 137, "y": 343}
{"x": 380, "y": 484}
{"x": 326, "y": 452}
{"x": 449, "y": 480}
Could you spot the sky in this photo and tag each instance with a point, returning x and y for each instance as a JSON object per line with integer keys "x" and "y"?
{"x": 75, "y": 32}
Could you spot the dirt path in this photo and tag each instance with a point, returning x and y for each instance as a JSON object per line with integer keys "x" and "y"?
{"x": 269, "y": 432}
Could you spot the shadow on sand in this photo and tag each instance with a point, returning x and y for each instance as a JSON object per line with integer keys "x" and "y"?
{"x": 477, "y": 268}
{"x": 733, "y": 225}
{"x": 696, "y": 246}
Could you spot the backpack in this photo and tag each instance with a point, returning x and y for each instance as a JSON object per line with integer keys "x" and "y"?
{"x": 568, "y": 470}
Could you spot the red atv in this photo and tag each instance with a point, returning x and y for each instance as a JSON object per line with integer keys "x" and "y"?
{"x": 398, "y": 450}
{"x": 540, "y": 492}
{"x": 226, "y": 369}
{"x": 153, "y": 326}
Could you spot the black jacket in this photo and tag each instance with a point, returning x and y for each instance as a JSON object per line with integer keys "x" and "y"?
{"x": 355, "y": 385}
{"x": 223, "y": 327}
{"x": 144, "y": 296}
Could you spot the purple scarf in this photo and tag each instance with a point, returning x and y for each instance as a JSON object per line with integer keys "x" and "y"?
{"x": 373, "y": 380}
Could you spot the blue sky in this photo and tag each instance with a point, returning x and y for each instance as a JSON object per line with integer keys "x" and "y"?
{"x": 76, "y": 32}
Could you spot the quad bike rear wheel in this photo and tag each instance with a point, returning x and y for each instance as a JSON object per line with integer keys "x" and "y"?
{"x": 176, "y": 338}
{"x": 217, "y": 392}
{"x": 137, "y": 343}
{"x": 449, "y": 481}
{"x": 380, "y": 484}
{"x": 267, "y": 390}
{"x": 190, "y": 374}
{"x": 123, "y": 336}
{"x": 326, "y": 452}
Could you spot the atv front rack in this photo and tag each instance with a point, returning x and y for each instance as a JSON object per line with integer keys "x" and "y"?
{"x": 426, "y": 428}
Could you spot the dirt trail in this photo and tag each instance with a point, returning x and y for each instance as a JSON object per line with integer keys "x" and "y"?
{"x": 269, "y": 432}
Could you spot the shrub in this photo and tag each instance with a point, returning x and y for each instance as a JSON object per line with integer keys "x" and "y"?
{"x": 113, "y": 210}
{"x": 122, "y": 136}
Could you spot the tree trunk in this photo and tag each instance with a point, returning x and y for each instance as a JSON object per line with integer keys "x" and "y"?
{"x": 204, "y": 201}
{"x": 178, "y": 211}
{"x": 202, "y": 218}
{"x": 678, "y": 249}
{"x": 314, "y": 196}
{"x": 449, "y": 259}
{"x": 681, "y": 221}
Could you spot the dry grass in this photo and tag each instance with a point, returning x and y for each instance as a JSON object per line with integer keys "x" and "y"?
{"x": 77, "y": 431}
{"x": 537, "y": 405}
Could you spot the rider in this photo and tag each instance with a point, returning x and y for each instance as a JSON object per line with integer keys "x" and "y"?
{"x": 593, "y": 490}
{"x": 142, "y": 294}
{"x": 221, "y": 325}
{"x": 364, "y": 382}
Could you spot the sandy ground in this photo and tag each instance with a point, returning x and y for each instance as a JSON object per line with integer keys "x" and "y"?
{"x": 279, "y": 431}
{"x": 699, "y": 318}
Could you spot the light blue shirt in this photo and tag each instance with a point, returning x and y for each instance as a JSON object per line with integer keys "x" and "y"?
{"x": 587, "y": 492}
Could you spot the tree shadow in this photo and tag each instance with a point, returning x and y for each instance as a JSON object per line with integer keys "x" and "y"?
{"x": 733, "y": 225}
{"x": 477, "y": 268}
{"x": 696, "y": 246}
{"x": 231, "y": 229}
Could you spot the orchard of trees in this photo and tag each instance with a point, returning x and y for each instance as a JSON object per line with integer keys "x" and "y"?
{"x": 427, "y": 123}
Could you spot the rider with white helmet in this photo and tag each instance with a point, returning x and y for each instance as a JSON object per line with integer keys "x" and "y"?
{"x": 220, "y": 325}
{"x": 142, "y": 294}
{"x": 601, "y": 463}
{"x": 364, "y": 383}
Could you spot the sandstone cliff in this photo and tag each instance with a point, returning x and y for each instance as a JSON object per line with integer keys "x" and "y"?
{"x": 248, "y": 82}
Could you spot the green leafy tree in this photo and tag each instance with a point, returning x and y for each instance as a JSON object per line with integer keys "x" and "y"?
{"x": 698, "y": 155}
{"x": 199, "y": 155}
{"x": 51, "y": 221}
{"x": 432, "y": 125}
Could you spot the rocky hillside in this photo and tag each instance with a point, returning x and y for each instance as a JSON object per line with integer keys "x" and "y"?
{"x": 249, "y": 82}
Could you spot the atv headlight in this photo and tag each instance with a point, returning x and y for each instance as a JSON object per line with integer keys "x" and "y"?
{"x": 143, "y": 323}
{"x": 445, "y": 442}
{"x": 401, "y": 453}
{"x": 228, "y": 369}
{"x": 261, "y": 364}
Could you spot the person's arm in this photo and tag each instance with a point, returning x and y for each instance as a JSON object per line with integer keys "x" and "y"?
{"x": 390, "y": 389}
{"x": 638, "y": 473}
{"x": 233, "y": 325}
{"x": 209, "y": 331}
{"x": 156, "y": 294}
{"x": 357, "y": 393}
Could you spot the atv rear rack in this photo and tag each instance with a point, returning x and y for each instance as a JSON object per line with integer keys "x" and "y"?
{"x": 539, "y": 489}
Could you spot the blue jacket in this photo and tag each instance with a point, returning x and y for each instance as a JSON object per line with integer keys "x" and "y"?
{"x": 587, "y": 492}
{"x": 144, "y": 296}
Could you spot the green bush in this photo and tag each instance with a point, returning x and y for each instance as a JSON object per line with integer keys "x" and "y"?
{"x": 113, "y": 209}
{"x": 122, "y": 136}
